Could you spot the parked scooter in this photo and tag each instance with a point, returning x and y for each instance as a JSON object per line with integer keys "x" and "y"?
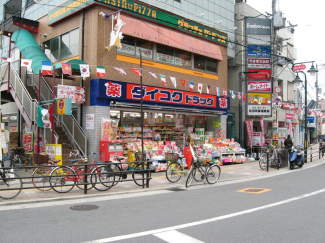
{"x": 296, "y": 157}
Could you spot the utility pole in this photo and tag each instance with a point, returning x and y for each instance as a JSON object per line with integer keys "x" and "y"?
{"x": 316, "y": 84}
{"x": 273, "y": 68}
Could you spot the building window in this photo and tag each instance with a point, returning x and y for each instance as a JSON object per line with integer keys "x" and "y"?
{"x": 133, "y": 46}
{"x": 205, "y": 63}
{"x": 165, "y": 54}
{"x": 62, "y": 47}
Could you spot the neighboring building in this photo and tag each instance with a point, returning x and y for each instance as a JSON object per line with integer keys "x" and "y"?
{"x": 179, "y": 49}
{"x": 256, "y": 52}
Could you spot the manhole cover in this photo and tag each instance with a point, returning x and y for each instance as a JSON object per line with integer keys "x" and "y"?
{"x": 254, "y": 190}
{"x": 176, "y": 189}
{"x": 84, "y": 207}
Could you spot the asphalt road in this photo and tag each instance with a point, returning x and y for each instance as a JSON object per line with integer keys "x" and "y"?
{"x": 291, "y": 210}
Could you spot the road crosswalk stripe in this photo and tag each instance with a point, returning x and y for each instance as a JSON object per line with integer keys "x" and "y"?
{"x": 174, "y": 236}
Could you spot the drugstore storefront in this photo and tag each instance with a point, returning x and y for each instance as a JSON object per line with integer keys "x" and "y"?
{"x": 171, "y": 117}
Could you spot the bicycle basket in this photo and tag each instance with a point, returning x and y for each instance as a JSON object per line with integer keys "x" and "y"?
{"x": 171, "y": 157}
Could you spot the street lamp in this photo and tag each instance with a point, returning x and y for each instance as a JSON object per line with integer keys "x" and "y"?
{"x": 312, "y": 72}
{"x": 240, "y": 130}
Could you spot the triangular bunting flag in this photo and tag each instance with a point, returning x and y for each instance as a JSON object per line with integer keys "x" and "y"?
{"x": 101, "y": 71}
{"x": 26, "y": 63}
{"x": 244, "y": 97}
{"x": 153, "y": 74}
{"x": 232, "y": 94}
{"x": 46, "y": 68}
{"x": 217, "y": 91}
{"x": 84, "y": 70}
{"x": 6, "y": 59}
{"x": 173, "y": 81}
{"x": 163, "y": 79}
{"x": 66, "y": 68}
{"x": 208, "y": 89}
{"x": 183, "y": 82}
{"x": 238, "y": 95}
{"x": 191, "y": 86}
{"x": 199, "y": 87}
{"x": 224, "y": 92}
{"x": 136, "y": 71}
{"x": 120, "y": 70}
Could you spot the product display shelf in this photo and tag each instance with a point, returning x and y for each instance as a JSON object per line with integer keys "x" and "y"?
{"x": 223, "y": 155}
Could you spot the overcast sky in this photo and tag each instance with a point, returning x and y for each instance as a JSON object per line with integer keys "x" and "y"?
{"x": 309, "y": 37}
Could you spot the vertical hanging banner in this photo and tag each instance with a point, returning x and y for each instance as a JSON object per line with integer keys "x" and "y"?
{"x": 290, "y": 128}
{"x": 109, "y": 129}
{"x": 249, "y": 126}
{"x": 262, "y": 126}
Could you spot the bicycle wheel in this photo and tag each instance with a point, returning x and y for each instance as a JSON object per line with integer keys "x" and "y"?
{"x": 63, "y": 179}
{"x": 41, "y": 178}
{"x": 17, "y": 160}
{"x": 139, "y": 176}
{"x": 172, "y": 172}
{"x": 190, "y": 178}
{"x": 118, "y": 176}
{"x": 81, "y": 180}
{"x": 199, "y": 173}
{"x": 10, "y": 180}
{"x": 213, "y": 174}
{"x": 102, "y": 178}
{"x": 263, "y": 161}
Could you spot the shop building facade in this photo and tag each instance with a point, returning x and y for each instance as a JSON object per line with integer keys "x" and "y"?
{"x": 190, "y": 61}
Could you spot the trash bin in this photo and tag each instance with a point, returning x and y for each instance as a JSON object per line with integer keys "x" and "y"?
{"x": 284, "y": 158}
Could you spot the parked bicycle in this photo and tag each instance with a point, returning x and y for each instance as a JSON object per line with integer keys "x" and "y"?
{"x": 64, "y": 178}
{"x": 202, "y": 169}
{"x": 16, "y": 157}
{"x": 10, "y": 183}
{"x": 41, "y": 175}
{"x": 175, "y": 170}
{"x": 274, "y": 159}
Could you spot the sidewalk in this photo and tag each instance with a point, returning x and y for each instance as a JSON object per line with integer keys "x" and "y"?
{"x": 229, "y": 172}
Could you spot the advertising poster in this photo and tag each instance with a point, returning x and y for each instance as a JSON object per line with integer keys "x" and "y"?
{"x": 76, "y": 93}
{"x": 249, "y": 126}
{"x": 28, "y": 142}
{"x": 54, "y": 151}
{"x": 109, "y": 129}
{"x": 179, "y": 120}
{"x": 259, "y": 86}
{"x": 151, "y": 117}
{"x": 257, "y": 139}
{"x": 90, "y": 121}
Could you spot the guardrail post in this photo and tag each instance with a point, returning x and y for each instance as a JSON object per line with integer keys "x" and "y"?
{"x": 311, "y": 154}
{"x": 147, "y": 174}
{"x": 267, "y": 161}
{"x": 86, "y": 180}
{"x": 319, "y": 151}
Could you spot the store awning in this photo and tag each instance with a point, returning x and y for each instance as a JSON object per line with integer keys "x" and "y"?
{"x": 177, "y": 39}
{"x": 127, "y": 105}
{"x": 29, "y": 49}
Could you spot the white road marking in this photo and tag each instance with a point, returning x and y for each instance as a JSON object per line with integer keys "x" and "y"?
{"x": 174, "y": 236}
{"x": 206, "y": 221}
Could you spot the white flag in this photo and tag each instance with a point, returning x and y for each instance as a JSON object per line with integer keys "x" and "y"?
{"x": 84, "y": 70}
{"x": 174, "y": 81}
{"x": 199, "y": 87}
{"x": 26, "y": 63}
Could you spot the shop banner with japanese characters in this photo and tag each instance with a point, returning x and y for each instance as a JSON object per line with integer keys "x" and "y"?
{"x": 262, "y": 126}
{"x": 259, "y": 86}
{"x": 76, "y": 93}
{"x": 103, "y": 91}
{"x": 109, "y": 129}
{"x": 249, "y": 126}
{"x": 28, "y": 142}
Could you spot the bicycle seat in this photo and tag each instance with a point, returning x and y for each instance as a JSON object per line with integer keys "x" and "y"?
{"x": 119, "y": 159}
{"x": 55, "y": 161}
{"x": 73, "y": 161}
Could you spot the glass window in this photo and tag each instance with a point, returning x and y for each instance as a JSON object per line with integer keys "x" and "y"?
{"x": 62, "y": 47}
{"x": 182, "y": 58}
{"x": 65, "y": 39}
{"x": 165, "y": 54}
{"x": 199, "y": 62}
{"x": 145, "y": 47}
{"x": 128, "y": 45}
{"x": 211, "y": 65}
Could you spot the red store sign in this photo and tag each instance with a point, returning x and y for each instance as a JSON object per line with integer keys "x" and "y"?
{"x": 259, "y": 86}
{"x": 288, "y": 106}
{"x": 290, "y": 116}
{"x": 262, "y": 74}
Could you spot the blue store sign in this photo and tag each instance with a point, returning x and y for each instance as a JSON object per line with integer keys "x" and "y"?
{"x": 102, "y": 92}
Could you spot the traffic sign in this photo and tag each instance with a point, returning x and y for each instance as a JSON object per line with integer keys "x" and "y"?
{"x": 299, "y": 67}
{"x": 278, "y": 89}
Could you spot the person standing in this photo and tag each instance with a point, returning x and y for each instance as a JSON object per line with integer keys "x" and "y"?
{"x": 288, "y": 144}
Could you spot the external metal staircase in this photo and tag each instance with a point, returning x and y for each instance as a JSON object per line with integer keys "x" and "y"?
{"x": 28, "y": 109}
